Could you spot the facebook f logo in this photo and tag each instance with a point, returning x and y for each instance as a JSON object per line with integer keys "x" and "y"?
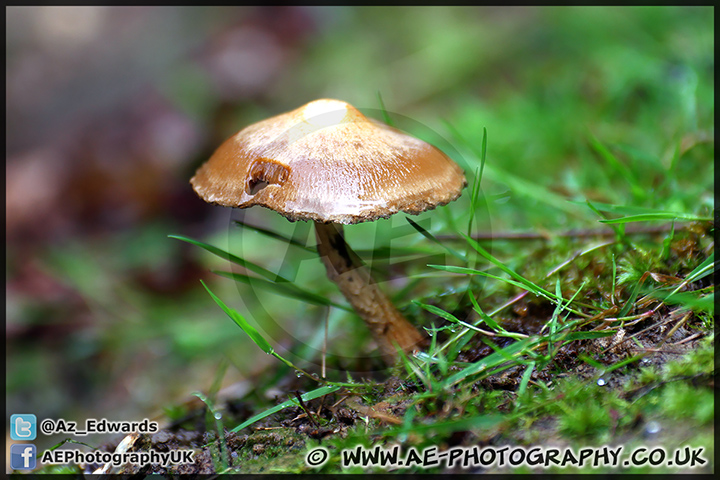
{"x": 22, "y": 456}
{"x": 23, "y": 426}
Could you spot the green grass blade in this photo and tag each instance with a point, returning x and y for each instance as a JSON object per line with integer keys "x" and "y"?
{"x": 446, "y": 315}
{"x": 530, "y": 285}
{"x": 277, "y": 236}
{"x": 703, "y": 270}
{"x": 290, "y": 290}
{"x": 491, "y": 361}
{"x": 232, "y": 258}
{"x": 475, "y": 192}
{"x": 624, "y": 362}
{"x": 242, "y": 323}
{"x": 432, "y": 238}
{"x": 619, "y": 229}
{"x": 655, "y": 217}
{"x": 438, "y": 311}
{"x": 470, "y": 271}
{"x": 591, "y": 361}
{"x": 613, "y": 208}
{"x": 621, "y": 168}
{"x": 691, "y": 300}
{"x": 522, "y": 284}
{"x": 637, "y": 214}
{"x": 526, "y": 378}
{"x": 318, "y": 392}
{"x": 484, "y": 317}
{"x": 255, "y": 335}
{"x": 633, "y": 296}
{"x": 386, "y": 116}
{"x": 527, "y": 284}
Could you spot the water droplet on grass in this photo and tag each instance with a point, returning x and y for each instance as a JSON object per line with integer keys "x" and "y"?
{"x": 652, "y": 428}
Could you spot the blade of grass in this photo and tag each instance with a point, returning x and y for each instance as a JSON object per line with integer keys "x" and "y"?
{"x": 460, "y": 339}
{"x": 655, "y": 217}
{"x": 614, "y": 280}
{"x": 476, "y": 184}
{"x": 474, "y": 192}
{"x": 386, "y": 116}
{"x": 483, "y": 153}
{"x": 290, "y": 290}
{"x": 703, "y": 270}
{"x": 591, "y": 361}
{"x": 619, "y": 230}
{"x": 491, "y": 361}
{"x": 633, "y": 296}
{"x": 696, "y": 303}
{"x": 613, "y": 208}
{"x": 622, "y": 363}
{"x": 255, "y": 336}
{"x": 212, "y": 417}
{"x": 232, "y": 258}
{"x": 240, "y": 321}
{"x": 432, "y": 238}
{"x": 484, "y": 317}
{"x": 277, "y": 236}
{"x": 667, "y": 242}
{"x": 637, "y": 190}
{"x": 318, "y": 392}
{"x": 526, "y": 378}
{"x": 449, "y": 317}
{"x": 552, "y": 324}
{"x": 521, "y": 281}
{"x": 528, "y": 284}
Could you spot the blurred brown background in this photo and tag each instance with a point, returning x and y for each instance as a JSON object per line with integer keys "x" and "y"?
{"x": 109, "y": 112}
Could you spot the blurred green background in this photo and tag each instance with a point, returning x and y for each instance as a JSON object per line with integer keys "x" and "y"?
{"x": 111, "y": 109}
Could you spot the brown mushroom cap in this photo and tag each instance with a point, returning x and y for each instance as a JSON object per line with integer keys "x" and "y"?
{"x": 327, "y": 162}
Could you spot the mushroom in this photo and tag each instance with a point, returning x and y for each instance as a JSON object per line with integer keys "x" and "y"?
{"x": 328, "y": 163}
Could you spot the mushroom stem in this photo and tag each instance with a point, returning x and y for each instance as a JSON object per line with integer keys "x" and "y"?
{"x": 387, "y": 325}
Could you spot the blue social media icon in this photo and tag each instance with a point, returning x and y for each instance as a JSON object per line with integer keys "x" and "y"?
{"x": 23, "y": 426}
{"x": 22, "y": 456}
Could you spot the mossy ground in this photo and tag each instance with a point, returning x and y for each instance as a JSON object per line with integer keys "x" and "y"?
{"x": 648, "y": 384}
